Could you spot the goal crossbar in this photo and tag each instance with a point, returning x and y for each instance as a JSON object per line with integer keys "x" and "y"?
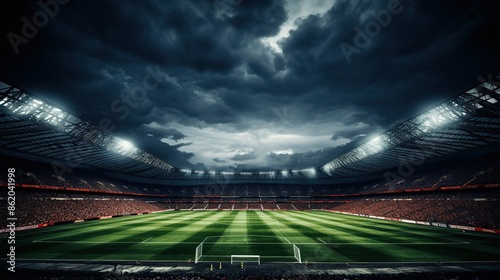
{"x": 245, "y": 258}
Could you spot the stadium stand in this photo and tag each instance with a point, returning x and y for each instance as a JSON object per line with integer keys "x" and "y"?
{"x": 56, "y": 275}
{"x": 49, "y": 207}
{"x": 464, "y": 194}
{"x": 475, "y": 209}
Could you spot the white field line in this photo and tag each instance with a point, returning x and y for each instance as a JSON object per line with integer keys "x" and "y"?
{"x": 287, "y": 240}
{"x": 261, "y": 256}
{"x": 145, "y": 240}
{"x": 254, "y": 243}
{"x": 321, "y": 240}
{"x": 242, "y": 235}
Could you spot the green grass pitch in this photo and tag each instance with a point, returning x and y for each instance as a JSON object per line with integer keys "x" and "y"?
{"x": 320, "y": 236}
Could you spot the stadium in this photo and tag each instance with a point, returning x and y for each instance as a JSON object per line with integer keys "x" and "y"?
{"x": 115, "y": 173}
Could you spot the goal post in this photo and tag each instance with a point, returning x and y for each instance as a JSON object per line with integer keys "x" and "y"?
{"x": 296, "y": 253}
{"x": 238, "y": 249}
{"x": 199, "y": 252}
{"x": 245, "y": 258}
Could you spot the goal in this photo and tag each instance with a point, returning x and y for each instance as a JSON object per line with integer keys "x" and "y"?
{"x": 245, "y": 258}
{"x": 296, "y": 253}
{"x": 217, "y": 248}
{"x": 199, "y": 252}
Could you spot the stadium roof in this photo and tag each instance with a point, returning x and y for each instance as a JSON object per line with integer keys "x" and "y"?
{"x": 32, "y": 126}
{"x": 464, "y": 122}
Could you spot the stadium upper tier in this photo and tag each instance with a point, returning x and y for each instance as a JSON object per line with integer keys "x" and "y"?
{"x": 468, "y": 120}
{"x": 31, "y": 126}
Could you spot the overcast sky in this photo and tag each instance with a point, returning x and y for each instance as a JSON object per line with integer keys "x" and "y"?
{"x": 245, "y": 84}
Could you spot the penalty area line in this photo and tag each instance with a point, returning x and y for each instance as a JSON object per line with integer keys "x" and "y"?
{"x": 145, "y": 240}
{"x": 321, "y": 240}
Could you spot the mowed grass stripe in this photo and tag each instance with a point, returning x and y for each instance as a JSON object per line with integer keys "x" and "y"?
{"x": 418, "y": 232}
{"x": 129, "y": 230}
{"x": 92, "y": 226}
{"x": 176, "y": 232}
{"x": 400, "y": 247}
{"x": 233, "y": 228}
{"x": 425, "y": 250}
{"x": 370, "y": 229}
{"x": 387, "y": 248}
{"x": 196, "y": 234}
{"x": 292, "y": 235}
{"x": 333, "y": 232}
{"x": 422, "y": 232}
{"x": 237, "y": 231}
{"x": 113, "y": 240}
{"x": 183, "y": 229}
{"x": 381, "y": 222}
{"x": 275, "y": 226}
{"x": 261, "y": 228}
{"x": 318, "y": 251}
{"x": 175, "y": 235}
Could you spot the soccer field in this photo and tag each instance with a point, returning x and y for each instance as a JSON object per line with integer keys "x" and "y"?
{"x": 320, "y": 237}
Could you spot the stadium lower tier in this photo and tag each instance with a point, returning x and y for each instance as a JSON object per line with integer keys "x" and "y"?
{"x": 461, "y": 207}
{"x": 466, "y": 173}
{"x": 251, "y": 275}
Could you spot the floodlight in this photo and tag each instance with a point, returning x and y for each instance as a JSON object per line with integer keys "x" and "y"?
{"x": 373, "y": 146}
{"x": 311, "y": 171}
{"x": 438, "y": 117}
{"x": 124, "y": 146}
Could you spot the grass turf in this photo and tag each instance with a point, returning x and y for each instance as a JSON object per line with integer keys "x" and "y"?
{"x": 320, "y": 236}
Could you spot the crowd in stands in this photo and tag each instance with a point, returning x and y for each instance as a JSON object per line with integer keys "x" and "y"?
{"x": 482, "y": 170}
{"x": 213, "y": 206}
{"x": 46, "y": 207}
{"x": 269, "y": 206}
{"x": 475, "y": 208}
{"x": 200, "y": 206}
{"x": 302, "y": 206}
{"x": 471, "y": 208}
{"x": 226, "y": 206}
{"x": 467, "y": 208}
{"x": 286, "y": 206}
{"x": 82, "y": 275}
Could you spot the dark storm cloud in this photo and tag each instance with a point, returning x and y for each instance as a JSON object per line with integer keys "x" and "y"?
{"x": 349, "y": 133}
{"x": 244, "y": 156}
{"x": 218, "y": 160}
{"x": 216, "y": 76}
{"x": 166, "y": 133}
{"x": 418, "y": 57}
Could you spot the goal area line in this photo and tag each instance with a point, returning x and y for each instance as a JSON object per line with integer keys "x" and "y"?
{"x": 262, "y": 257}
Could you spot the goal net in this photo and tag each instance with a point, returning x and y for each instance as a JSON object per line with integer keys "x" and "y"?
{"x": 246, "y": 249}
{"x": 199, "y": 253}
{"x": 245, "y": 258}
{"x": 296, "y": 253}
